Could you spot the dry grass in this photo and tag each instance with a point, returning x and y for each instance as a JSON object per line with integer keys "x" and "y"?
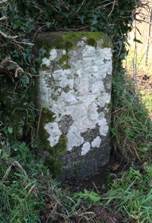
{"x": 138, "y": 62}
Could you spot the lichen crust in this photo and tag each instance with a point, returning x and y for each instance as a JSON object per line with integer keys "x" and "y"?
{"x": 72, "y": 85}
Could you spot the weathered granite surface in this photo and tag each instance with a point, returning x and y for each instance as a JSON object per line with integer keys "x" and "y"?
{"x": 75, "y": 88}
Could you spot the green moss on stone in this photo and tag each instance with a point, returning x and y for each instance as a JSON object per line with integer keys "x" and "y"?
{"x": 92, "y": 42}
{"x": 53, "y": 159}
{"x": 68, "y": 40}
{"x": 46, "y": 116}
{"x": 64, "y": 61}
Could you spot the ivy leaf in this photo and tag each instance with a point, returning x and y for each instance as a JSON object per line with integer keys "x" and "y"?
{"x": 10, "y": 130}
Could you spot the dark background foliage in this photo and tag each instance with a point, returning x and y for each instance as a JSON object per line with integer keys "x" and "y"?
{"x": 111, "y": 16}
{"x": 26, "y": 192}
{"x": 25, "y": 19}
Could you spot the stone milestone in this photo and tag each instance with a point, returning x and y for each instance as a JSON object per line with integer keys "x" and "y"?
{"x": 74, "y": 94}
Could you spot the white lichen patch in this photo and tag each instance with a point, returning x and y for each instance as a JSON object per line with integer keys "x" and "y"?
{"x": 103, "y": 127}
{"x": 79, "y": 92}
{"x": 96, "y": 142}
{"x": 85, "y": 148}
{"x": 53, "y": 54}
{"x": 46, "y": 62}
{"x": 54, "y": 133}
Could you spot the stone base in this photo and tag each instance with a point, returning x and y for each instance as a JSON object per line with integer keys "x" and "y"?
{"x": 77, "y": 167}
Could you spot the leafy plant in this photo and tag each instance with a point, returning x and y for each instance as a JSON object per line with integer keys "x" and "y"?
{"x": 27, "y": 193}
{"x": 89, "y": 196}
{"x": 25, "y": 19}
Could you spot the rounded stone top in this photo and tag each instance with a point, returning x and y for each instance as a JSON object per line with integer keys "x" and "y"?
{"x": 68, "y": 40}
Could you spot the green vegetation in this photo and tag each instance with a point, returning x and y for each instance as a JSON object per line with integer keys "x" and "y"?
{"x": 66, "y": 40}
{"x": 131, "y": 195}
{"x": 88, "y": 196}
{"x": 147, "y": 100}
{"x": 19, "y": 190}
{"x": 132, "y": 127}
{"x": 50, "y": 155}
{"x": 141, "y": 71}
{"x": 28, "y": 194}
{"x": 25, "y": 19}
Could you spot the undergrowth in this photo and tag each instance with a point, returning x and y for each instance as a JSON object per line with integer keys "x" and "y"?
{"x": 131, "y": 127}
{"x": 28, "y": 194}
{"x": 20, "y": 197}
{"x": 131, "y": 195}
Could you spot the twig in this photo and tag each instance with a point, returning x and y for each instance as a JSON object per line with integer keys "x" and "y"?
{"x": 149, "y": 36}
{"x": 134, "y": 61}
{"x": 83, "y": 2}
{"x": 3, "y": 1}
{"x": 113, "y": 6}
{"x": 7, "y": 36}
{"x": 3, "y": 18}
{"x": 24, "y": 43}
{"x": 39, "y": 121}
{"x": 13, "y": 38}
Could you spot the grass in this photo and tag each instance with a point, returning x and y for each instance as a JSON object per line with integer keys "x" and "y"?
{"x": 19, "y": 198}
{"x": 131, "y": 128}
{"x": 18, "y": 204}
{"x": 131, "y": 195}
{"x": 146, "y": 98}
{"x": 136, "y": 58}
{"x": 28, "y": 194}
{"x": 138, "y": 64}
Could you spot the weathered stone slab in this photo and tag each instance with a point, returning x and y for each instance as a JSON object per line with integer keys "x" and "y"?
{"x": 75, "y": 94}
